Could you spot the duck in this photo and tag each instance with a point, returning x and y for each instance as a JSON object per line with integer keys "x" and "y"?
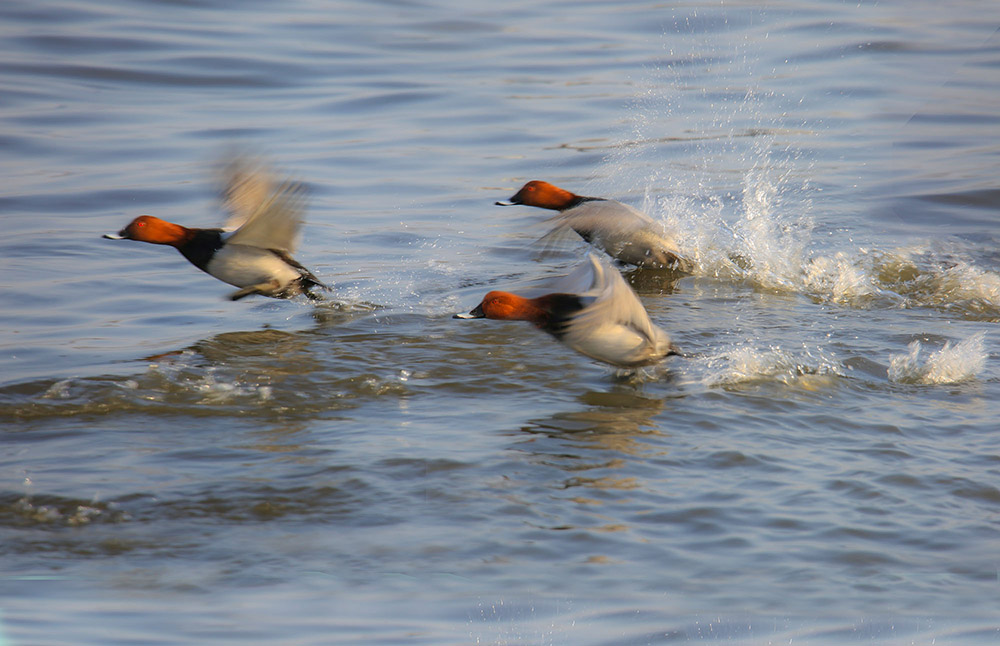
{"x": 253, "y": 250}
{"x": 627, "y": 234}
{"x": 592, "y": 310}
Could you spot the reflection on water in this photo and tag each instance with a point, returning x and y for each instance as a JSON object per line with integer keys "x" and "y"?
{"x": 614, "y": 421}
{"x": 662, "y": 281}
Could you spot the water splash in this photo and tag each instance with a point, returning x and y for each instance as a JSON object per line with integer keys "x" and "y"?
{"x": 744, "y": 364}
{"x": 951, "y": 364}
{"x": 735, "y": 189}
{"x": 770, "y": 245}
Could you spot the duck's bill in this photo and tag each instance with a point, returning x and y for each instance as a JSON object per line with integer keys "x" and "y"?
{"x": 505, "y": 203}
{"x": 474, "y": 314}
{"x": 114, "y": 236}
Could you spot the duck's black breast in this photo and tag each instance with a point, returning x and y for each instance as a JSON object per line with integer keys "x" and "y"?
{"x": 562, "y": 308}
{"x": 580, "y": 199}
{"x": 202, "y": 246}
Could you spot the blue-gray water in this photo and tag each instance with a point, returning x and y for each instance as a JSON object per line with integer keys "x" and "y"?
{"x": 820, "y": 467}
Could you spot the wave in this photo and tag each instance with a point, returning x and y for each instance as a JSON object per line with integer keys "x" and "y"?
{"x": 814, "y": 368}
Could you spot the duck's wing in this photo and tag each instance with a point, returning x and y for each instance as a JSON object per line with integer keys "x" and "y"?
{"x": 614, "y": 322}
{"x": 605, "y": 217}
{"x": 246, "y": 183}
{"x": 276, "y": 222}
{"x": 613, "y": 301}
{"x": 555, "y": 238}
{"x": 629, "y": 235}
{"x": 580, "y": 281}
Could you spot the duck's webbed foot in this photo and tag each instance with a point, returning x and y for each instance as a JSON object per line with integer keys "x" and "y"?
{"x": 264, "y": 289}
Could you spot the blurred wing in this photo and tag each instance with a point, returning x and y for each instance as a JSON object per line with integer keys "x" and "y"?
{"x": 606, "y": 217}
{"x": 623, "y": 232}
{"x": 555, "y": 238}
{"x": 276, "y": 222}
{"x": 246, "y": 184}
{"x": 614, "y": 305}
{"x": 581, "y": 281}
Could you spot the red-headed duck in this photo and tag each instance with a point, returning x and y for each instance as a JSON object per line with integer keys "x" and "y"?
{"x": 629, "y": 235}
{"x": 254, "y": 250}
{"x": 592, "y": 310}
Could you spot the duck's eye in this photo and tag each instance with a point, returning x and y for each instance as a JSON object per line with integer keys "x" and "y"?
{"x": 140, "y": 224}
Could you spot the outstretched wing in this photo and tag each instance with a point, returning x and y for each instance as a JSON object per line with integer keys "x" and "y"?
{"x": 614, "y": 322}
{"x": 623, "y": 232}
{"x": 246, "y": 183}
{"x": 276, "y": 222}
{"x": 608, "y": 216}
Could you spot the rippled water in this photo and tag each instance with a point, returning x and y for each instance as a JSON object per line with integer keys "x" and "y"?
{"x": 819, "y": 467}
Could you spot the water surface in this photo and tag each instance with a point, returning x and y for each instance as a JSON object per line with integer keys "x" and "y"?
{"x": 819, "y": 467}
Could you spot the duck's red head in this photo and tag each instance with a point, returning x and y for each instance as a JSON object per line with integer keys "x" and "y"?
{"x": 147, "y": 228}
{"x": 543, "y": 195}
{"x": 508, "y": 307}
